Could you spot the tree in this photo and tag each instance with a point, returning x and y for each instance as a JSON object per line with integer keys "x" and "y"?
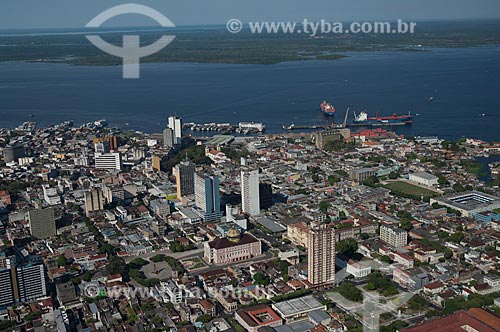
{"x": 332, "y": 179}
{"x": 394, "y": 175}
{"x": 61, "y": 261}
{"x": 204, "y": 318}
{"x": 350, "y": 292}
{"x": 261, "y": 279}
{"x": 406, "y": 225}
{"x": 457, "y": 237}
{"x": 347, "y": 247}
{"x": 323, "y": 206}
{"x": 448, "y": 254}
{"x": 386, "y": 259}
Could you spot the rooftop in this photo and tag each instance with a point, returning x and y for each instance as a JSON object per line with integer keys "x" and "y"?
{"x": 298, "y": 306}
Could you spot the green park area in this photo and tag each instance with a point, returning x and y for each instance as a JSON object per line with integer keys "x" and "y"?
{"x": 405, "y": 189}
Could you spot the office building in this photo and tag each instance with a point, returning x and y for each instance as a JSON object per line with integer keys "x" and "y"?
{"x": 156, "y": 163}
{"x": 50, "y": 195}
{"x": 21, "y": 281}
{"x": 207, "y": 197}
{"x": 424, "y": 179}
{"x": 13, "y": 153}
{"x": 250, "y": 201}
{"x": 101, "y": 145}
{"x": 168, "y": 138}
{"x": 265, "y": 195}
{"x": 6, "y": 282}
{"x": 109, "y": 161}
{"x": 42, "y": 223}
{"x": 321, "y": 255}
{"x": 393, "y": 236}
{"x": 184, "y": 178}
{"x": 362, "y": 174}
{"x": 113, "y": 143}
{"x": 31, "y": 281}
{"x": 175, "y": 124}
{"x": 94, "y": 201}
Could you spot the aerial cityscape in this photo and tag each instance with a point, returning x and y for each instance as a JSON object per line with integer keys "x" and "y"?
{"x": 242, "y": 181}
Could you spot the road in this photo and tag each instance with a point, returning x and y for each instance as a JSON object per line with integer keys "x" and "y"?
{"x": 167, "y": 252}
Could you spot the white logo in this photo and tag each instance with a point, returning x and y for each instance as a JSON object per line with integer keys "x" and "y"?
{"x": 234, "y": 25}
{"x": 131, "y": 52}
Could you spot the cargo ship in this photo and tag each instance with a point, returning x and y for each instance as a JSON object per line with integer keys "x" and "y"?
{"x": 391, "y": 120}
{"x": 327, "y": 108}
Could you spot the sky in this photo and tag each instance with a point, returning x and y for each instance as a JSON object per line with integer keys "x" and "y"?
{"x": 30, "y": 14}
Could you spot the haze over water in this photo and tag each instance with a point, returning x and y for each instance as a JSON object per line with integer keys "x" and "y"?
{"x": 464, "y": 84}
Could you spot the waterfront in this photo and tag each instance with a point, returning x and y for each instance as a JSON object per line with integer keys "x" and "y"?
{"x": 463, "y": 82}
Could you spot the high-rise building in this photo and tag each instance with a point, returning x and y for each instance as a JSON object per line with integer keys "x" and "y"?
{"x": 21, "y": 281}
{"x": 109, "y": 161}
{"x": 156, "y": 163}
{"x": 207, "y": 197}
{"x": 265, "y": 195}
{"x": 184, "y": 178}
{"x": 42, "y": 223}
{"x": 113, "y": 143}
{"x": 94, "y": 201}
{"x": 101, "y": 145}
{"x": 250, "y": 202}
{"x": 321, "y": 255}
{"x": 31, "y": 281}
{"x": 168, "y": 138}
{"x": 13, "y": 153}
{"x": 393, "y": 236}
{"x": 7, "y": 271}
{"x": 175, "y": 124}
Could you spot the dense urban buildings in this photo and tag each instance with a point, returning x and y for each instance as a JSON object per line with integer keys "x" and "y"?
{"x": 157, "y": 224}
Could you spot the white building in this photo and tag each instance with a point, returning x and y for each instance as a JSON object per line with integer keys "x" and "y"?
{"x": 109, "y": 161}
{"x": 170, "y": 292}
{"x": 175, "y": 124}
{"x": 424, "y": 179}
{"x": 250, "y": 199}
{"x": 396, "y": 237}
{"x": 50, "y": 195}
{"x": 359, "y": 269}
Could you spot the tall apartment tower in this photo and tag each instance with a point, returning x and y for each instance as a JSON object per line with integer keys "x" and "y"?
{"x": 321, "y": 255}
{"x": 94, "y": 201}
{"x": 207, "y": 197}
{"x": 168, "y": 138}
{"x": 42, "y": 223}
{"x": 21, "y": 281}
{"x": 250, "y": 201}
{"x": 184, "y": 178}
{"x": 175, "y": 124}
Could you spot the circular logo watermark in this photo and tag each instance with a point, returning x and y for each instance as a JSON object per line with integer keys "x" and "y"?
{"x": 234, "y": 25}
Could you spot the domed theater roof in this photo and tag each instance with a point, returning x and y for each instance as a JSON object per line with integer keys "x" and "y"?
{"x": 233, "y": 235}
